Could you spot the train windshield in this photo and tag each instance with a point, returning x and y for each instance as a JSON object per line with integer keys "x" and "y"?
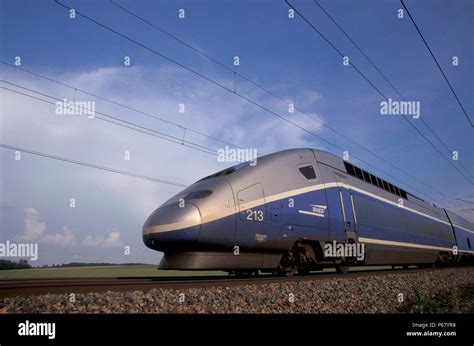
{"x": 226, "y": 171}
{"x": 198, "y": 194}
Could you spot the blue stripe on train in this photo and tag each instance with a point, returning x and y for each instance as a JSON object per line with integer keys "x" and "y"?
{"x": 279, "y": 215}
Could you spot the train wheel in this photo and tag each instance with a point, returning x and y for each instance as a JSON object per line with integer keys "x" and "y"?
{"x": 287, "y": 266}
{"x": 342, "y": 268}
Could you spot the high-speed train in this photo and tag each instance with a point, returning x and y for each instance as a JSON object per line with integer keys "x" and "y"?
{"x": 283, "y": 214}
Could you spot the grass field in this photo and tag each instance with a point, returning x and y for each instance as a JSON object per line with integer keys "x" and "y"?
{"x": 119, "y": 271}
{"x": 455, "y": 301}
{"x": 99, "y": 271}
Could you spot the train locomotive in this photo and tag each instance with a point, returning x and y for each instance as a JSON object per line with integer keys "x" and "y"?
{"x": 281, "y": 214}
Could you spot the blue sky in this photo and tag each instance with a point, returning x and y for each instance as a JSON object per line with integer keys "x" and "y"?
{"x": 282, "y": 54}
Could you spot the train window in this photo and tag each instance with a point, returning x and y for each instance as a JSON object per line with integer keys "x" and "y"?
{"x": 379, "y": 182}
{"x": 397, "y": 191}
{"x": 349, "y": 168}
{"x": 390, "y": 186}
{"x": 358, "y": 172}
{"x": 469, "y": 243}
{"x": 198, "y": 194}
{"x": 366, "y": 177}
{"x": 308, "y": 172}
{"x": 225, "y": 171}
{"x": 403, "y": 194}
{"x": 374, "y": 179}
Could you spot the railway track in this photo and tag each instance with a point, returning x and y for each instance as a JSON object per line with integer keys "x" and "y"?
{"x": 27, "y": 287}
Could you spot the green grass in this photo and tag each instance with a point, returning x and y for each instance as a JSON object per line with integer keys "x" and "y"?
{"x": 100, "y": 272}
{"x": 457, "y": 300}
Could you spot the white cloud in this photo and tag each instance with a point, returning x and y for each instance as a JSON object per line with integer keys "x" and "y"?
{"x": 66, "y": 238}
{"x": 34, "y": 229}
{"x": 111, "y": 240}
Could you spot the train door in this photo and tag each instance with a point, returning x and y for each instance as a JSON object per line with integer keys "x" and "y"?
{"x": 346, "y": 204}
{"x": 252, "y": 215}
{"x": 311, "y": 206}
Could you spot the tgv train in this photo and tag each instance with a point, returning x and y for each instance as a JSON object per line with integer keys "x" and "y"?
{"x": 282, "y": 215}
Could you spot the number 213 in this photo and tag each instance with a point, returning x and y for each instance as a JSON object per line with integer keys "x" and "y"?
{"x": 255, "y": 215}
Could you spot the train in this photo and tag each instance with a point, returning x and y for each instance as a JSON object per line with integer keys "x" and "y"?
{"x": 283, "y": 215}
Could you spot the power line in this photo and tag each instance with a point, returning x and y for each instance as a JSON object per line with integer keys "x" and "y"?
{"x": 229, "y": 90}
{"x": 355, "y": 44}
{"x": 185, "y": 129}
{"x": 376, "y": 89}
{"x": 138, "y": 130}
{"x": 385, "y": 78}
{"x": 122, "y": 123}
{"x": 235, "y": 73}
{"x": 176, "y": 141}
{"x": 91, "y": 165}
{"x": 194, "y": 72}
{"x": 173, "y": 36}
{"x": 437, "y": 64}
{"x": 335, "y": 48}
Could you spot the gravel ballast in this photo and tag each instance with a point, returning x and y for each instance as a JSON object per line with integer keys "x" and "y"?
{"x": 375, "y": 293}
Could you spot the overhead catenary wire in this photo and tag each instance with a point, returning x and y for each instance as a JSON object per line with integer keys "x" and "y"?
{"x": 119, "y": 104}
{"x": 90, "y": 165}
{"x": 387, "y": 80}
{"x": 437, "y": 64}
{"x": 231, "y": 91}
{"x": 122, "y": 123}
{"x": 465, "y": 201}
{"x": 268, "y": 91}
{"x": 177, "y": 140}
{"x": 375, "y": 88}
{"x": 311, "y": 25}
{"x": 129, "y": 125}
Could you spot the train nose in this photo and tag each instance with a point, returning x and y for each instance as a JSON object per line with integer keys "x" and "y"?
{"x": 172, "y": 227}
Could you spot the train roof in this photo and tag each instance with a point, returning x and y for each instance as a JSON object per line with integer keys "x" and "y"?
{"x": 338, "y": 163}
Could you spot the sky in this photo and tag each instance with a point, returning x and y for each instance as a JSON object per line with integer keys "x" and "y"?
{"x": 283, "y": 55}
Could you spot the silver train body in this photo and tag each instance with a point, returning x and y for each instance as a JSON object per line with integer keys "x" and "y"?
{"x": 281, "y": 214}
